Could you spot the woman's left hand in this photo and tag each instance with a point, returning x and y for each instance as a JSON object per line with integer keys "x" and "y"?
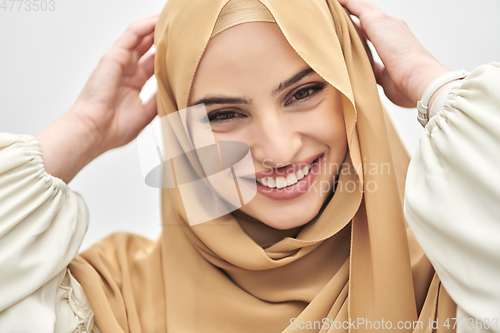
{"x": 408, "y": 68}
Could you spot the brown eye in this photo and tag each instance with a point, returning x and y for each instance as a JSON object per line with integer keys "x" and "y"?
{"x": 303, "y": 93}
{"x": 224, "y": 116}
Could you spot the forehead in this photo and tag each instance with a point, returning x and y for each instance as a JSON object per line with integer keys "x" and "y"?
{"x": 243, "y": 56}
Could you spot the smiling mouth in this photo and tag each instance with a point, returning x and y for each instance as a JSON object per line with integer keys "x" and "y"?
{"x": 288, "y": 179}
{"x": 278, "y": 180}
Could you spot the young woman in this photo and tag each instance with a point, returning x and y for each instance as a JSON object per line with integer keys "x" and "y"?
{"x": 324, "y": 248}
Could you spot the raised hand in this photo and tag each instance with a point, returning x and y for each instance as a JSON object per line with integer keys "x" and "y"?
{"x": 407, "y": 68}
{"x": 108, "y": 113}
{"x": 110, "y": 101}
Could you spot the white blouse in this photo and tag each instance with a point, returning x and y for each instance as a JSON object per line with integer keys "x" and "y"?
{"x": 42, "y": 225}
{"x": 452, "y": 196}
{"x": 452, "y": 204}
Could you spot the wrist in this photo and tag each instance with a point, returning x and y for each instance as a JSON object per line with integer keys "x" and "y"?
{"x": 419, "y": 84}
{"x": 68, "y": 145}
{"x": 92, "y": 137}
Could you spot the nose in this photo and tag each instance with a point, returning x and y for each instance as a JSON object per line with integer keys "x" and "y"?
{"x": 277, "y": 142}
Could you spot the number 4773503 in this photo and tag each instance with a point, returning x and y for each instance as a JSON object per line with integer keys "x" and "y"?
{"x": 471, "y": 323}
{"x": 28, "y": 5}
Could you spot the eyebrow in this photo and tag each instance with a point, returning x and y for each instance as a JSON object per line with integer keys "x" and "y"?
{"x": 294, "y": 79}
{"x": 220, "y": 99}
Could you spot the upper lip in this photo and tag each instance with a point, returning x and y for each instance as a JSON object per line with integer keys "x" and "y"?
{"x": 283, "y": 172}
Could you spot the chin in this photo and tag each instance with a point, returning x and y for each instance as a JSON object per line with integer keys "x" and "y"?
{"x": 282, "y": 218}
{"x": 289, "y": 222}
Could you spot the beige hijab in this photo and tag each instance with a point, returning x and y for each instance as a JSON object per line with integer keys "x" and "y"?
{"x": 357, "y": 260}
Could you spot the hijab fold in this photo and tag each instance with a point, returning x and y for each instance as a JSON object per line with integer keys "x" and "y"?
{"x": 356, "y": 259}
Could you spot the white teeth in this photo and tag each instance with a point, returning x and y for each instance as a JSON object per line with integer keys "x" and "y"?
{"x": 281, "y": 182}
{"x": 305, "y": 170}
{"x": 270, "y": 182}
{"x": 291, "y": 179}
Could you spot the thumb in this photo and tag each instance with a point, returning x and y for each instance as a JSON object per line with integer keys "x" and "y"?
{"x": 384, "y": 79}
{"x": 150, "y": 111}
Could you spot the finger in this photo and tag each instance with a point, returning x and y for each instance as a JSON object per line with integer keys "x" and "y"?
{"x": 359, "y": 7}
{"x": 383, "y": 79}
{"x": 135, "y": 33}
{"x": 379, "y": 72}
{"x": 152, "y": 15}
{"x": 144, "y": 46}
{"x": 150, "y": 109}
{"x": 390, "y": 89}
{"x": 147, "y": 67}
{"x": 147, "y": 114}
{"x": 140, "y": 118}
{"x": 359, "y": 26}
{"x": 136, "y": 76}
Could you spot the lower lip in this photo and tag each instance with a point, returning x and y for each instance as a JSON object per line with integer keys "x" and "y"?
{"x": 292, "y": 191}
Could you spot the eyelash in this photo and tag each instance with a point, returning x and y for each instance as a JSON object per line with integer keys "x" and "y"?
{"x": 315, "y": 88}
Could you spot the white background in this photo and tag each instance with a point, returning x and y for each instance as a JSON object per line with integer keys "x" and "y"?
{"x": 46, "y": 57}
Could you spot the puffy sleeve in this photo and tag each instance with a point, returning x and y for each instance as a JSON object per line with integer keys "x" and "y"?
{"x": 42, "y": 225}
{"x": 452, "y": 198}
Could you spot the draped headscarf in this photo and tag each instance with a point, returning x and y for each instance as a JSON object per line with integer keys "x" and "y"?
{"x": 357, "y": 260}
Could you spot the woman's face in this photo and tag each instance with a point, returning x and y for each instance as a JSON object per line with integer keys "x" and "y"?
{"x": 257, "y": 90}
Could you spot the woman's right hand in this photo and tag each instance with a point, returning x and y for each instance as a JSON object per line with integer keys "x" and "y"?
{"x": 108, "y": 113}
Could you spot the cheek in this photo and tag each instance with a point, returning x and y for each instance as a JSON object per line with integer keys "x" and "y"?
{"x": 324, "y": 124}
{"x": 332, "y": 130}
